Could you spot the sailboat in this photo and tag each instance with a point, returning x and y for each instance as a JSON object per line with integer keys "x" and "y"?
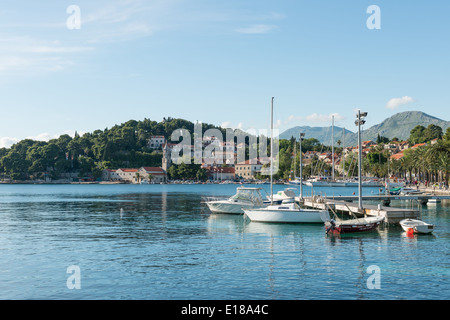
{"x": 331, "y": 181}
{"x": 284, "y": 212}
{"x": 339, "y": 226}
{"x": 327, "y": 181}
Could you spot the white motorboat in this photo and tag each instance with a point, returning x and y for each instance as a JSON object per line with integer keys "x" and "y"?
{"x": 324, "y": 182}
{"x": 416, "y": 226}
{"x": 372, "y": 183}
{"x": 285, "y": 195}
{"x": 248, "y": 198}
{"x": 433, "y": 201}
{"x": 287, "y": 213}
{"x": 410, "y": 191}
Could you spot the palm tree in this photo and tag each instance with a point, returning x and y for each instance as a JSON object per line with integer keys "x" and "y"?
{"x": 435, "y": 154}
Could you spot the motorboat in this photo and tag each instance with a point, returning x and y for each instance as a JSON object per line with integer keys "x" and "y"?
{"x": 325, "y": 182}
{"x": 395, "y": 191}
{"x": 416, "y": 226}
{"x": 287, "y": 213}
{"x": 353, "y": 225}
{"x": 410, "y": 191}
{"x": 285, "y": 195}
{"x": 297, "y": 181}
{"x": 434, "y": 201}
{"x": 245, "y": 197}
{"x": 372, "y": 183}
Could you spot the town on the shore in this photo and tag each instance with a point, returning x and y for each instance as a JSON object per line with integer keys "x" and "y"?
{"x": 130, "y": 153}
{"x": 423, "y": 158}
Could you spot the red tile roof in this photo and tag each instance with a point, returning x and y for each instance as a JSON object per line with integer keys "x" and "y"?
{"x": 157, "y": 169}
{"x": 397, "y": 156}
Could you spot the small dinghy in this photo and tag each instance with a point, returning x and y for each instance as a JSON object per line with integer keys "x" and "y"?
{"x": 416, "y": 226}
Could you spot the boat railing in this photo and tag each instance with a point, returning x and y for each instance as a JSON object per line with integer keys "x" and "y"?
{"x": 215, "y": 198}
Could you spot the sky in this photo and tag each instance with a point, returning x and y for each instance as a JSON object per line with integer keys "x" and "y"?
{"x": 87, "y": 65}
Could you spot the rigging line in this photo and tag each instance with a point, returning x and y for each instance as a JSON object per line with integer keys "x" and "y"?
{"x": 318, "y": 160}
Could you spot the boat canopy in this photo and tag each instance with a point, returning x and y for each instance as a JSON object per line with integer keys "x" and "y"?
{"x": 248, "y": 194}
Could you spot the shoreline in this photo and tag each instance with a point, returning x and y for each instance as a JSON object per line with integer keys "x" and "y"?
{"x": 425, "y": 190}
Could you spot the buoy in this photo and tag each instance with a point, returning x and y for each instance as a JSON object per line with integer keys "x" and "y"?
{"x": 410, "y": 231}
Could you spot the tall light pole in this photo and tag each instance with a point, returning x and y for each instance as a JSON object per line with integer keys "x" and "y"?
{"x": 360, "y": 121}
{"x": 302, "y": 134}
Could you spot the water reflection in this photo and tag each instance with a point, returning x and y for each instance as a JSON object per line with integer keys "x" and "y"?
{"x": 164, "y": 243}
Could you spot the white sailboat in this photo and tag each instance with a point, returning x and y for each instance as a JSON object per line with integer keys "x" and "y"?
{"x": 287, "y": 213}
{"x": 284, "y": 213}
{"x": 327, "y": 181}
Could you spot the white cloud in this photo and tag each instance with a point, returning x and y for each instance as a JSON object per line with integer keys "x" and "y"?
{"x": 314, "y": 118}
{"x": 320, "y": 118}
{"x": 257, "y": 29}
{"x": 7, "y": 142}
{"x": 28, "y": 55}
{"x": 228, "y": 124}
{"x": 396, "y": 102}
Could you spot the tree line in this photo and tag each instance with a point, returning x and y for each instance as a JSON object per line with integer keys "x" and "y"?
{"x": 124, "y": 145}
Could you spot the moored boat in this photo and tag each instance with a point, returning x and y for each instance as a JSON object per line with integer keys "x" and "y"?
{"x": 287, "y": 213}
{"x": 353, "y": 225}
{"x": 416, "y": 226}
{"x": 287, "y": 194}
{"x": 244, "y": 198}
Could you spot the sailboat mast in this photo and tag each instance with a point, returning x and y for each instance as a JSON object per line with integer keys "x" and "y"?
{"x": 271, "y": 153}
{"x": 342, "y": 154}
{"x": 332, "y": 147}
{"x": 295, "y": 157}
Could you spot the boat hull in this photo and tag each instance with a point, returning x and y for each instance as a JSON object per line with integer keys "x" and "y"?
{"x": 228, "y": 208}
{"x": 353, "y": 226}
{"x": 416, "y": 226}
{"x": 340, "y": 184}
{"x": 287, "y": 216}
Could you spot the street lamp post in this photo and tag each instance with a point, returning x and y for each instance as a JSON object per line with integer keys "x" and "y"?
{"x": 360, "y": 121}
{"x": 301, "y": 167}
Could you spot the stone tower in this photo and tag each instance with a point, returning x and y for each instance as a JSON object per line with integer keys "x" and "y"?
{"x": 166, "y": 161}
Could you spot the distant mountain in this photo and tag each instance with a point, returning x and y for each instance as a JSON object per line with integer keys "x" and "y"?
{"x": 323, "y": 134}
{"x": 399, "y": 125}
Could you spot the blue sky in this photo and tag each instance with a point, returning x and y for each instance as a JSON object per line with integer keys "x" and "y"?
{"x": 218, "y": 62}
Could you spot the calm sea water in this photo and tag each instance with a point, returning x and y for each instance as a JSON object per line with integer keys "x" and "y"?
{"x": 165, "y": 244}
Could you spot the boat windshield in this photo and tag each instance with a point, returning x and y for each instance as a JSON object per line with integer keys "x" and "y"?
{"x": 252, "y": 195}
